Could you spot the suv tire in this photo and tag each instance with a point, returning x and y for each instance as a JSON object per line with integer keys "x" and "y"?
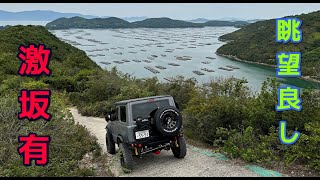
{"x": 168, "y": 120}
{"x": 181, "y": 151}
{"x": 126, "y": 158}
{"x": 111, "y": 146}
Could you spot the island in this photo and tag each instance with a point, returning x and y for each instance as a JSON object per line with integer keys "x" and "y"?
{"x": 114, "y": 22}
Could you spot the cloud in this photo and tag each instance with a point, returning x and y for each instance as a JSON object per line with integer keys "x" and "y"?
{"x": 173, "y": 10}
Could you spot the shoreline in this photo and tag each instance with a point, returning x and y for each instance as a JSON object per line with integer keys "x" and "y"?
{"x": 235, "y": 58}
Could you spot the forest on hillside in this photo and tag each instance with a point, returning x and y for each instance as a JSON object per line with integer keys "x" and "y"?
{"x": 257, "y": 43}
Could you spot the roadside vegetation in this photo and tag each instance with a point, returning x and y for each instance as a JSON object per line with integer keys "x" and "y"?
{"x": 69, "y": 141}
{"x": 223, "y": 114}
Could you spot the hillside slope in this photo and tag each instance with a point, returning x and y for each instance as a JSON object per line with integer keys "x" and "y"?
{"x": 215, "y": 23}
{"x": 79, "y": 22}
{"x": 256, "y": 43}
{"x": 69, "y": 141}
{"x": 66, "y": 60}
{"x": 113, "y": 22}
{"x": 164, "y": 23}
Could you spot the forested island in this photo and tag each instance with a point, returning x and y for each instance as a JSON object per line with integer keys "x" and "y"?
{"x": 256, "y": 43}
{"x": 113, "y": 22}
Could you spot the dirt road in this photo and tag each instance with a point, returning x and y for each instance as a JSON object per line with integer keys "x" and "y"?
{"x": 198, "y": 162}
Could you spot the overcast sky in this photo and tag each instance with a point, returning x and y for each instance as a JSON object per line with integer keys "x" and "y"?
{"x": 173, "y": 10}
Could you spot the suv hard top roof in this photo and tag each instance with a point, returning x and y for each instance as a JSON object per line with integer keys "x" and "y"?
{"x": 140, "y": 99}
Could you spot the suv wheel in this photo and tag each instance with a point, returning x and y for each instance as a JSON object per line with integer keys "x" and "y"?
{"x": 180, "y": 151}
{"x": 168, "y": 120}
{"x": 111, "y": 146}
{"x": 126, "y": 158}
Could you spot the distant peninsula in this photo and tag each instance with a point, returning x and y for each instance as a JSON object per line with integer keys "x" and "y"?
{"x": 256, "y": 43}
{"x": 114, "y": 22}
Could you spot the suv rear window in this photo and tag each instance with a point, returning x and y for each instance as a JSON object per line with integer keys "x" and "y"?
{"x": 123, "y": 116}
{"x": 144, "y": 109}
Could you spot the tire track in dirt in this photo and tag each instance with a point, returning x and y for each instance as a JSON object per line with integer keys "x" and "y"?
{"x": 165, "y": 164}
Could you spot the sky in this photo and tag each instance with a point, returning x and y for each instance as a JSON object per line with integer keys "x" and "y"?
{"x": 183, "y": 11}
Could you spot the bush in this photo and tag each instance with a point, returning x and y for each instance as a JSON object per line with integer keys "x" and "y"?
{"x": 64, "y": 153}
{"x": 246, "y": 126}
{"x": 222, "y": 107}
{"x": 251, "y": 147}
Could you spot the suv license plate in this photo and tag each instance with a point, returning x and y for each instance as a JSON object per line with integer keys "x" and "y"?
{"x": 142, "y": 134}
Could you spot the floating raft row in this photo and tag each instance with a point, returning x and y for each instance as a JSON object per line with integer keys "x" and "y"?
{"x": 147, "y": 61}
{"x": 150, "y": 58}
{"x": 136, "y": 60}
{"x": 154, "y": 56}
{"x": 75, "y": 43}
{"x": 125, "y": 60}
{"x": 133, "y": 52}
{"x": 96, "y": 55}
{"x": 118, "y": 62}
{"x": 210, "y": 57}
{"x": 118, "y": 53}
{"x": 105, "y": 63}
{"x": 206, "y": 69}
{"x": 184, "y": 58}
{"x": 227, "y": 69}
{"x": 93, "y": 40}
{"x": 87, "y": 45}
{"x": 173, "y": 64}
{"x": 232, "y": 67}
{"x": 163, "y": 55}
{"x": 205, "y": 62}
{"x": 170, "y": 79}
{"x": 160, "y": 67}
{"x": 198, "y": 73}
{"x": 93, "y": 50}
{"x": 143, "y": 50}
{"x": 169, "y": 50}
{"x": 152, "y": 69}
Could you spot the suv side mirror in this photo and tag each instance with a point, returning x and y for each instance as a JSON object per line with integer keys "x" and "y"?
{"x": 111, "y": 116}
{"x": 108, "y": 117}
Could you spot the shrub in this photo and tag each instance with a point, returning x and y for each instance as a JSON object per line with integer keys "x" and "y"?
{"x": 69, "y": 141}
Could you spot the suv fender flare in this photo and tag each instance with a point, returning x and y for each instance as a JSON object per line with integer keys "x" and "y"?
{"x": 119, "y": 139}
